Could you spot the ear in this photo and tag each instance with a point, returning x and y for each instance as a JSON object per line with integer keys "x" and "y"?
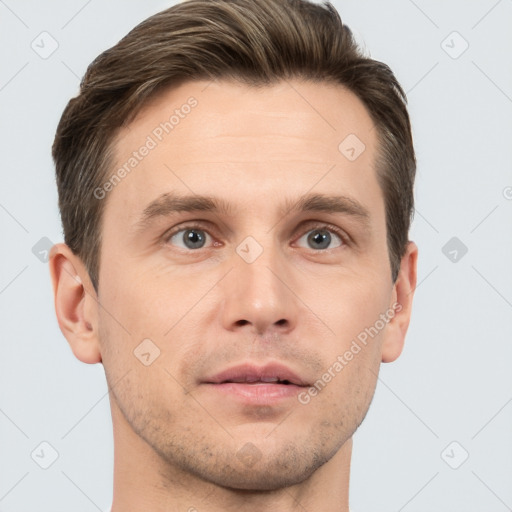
{"x": 76, "y": 303}
{"x": 401, "y": 304}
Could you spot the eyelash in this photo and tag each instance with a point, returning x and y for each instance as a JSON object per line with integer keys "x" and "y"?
{"x": 310, "y": 227}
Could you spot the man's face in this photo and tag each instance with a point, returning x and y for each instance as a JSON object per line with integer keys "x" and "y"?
{"x": 264, "y": 279}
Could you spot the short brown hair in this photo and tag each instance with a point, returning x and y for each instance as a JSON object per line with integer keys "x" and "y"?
{"x": 255, "y": 42}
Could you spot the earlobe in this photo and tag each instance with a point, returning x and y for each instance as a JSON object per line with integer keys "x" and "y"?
{"x": 75, "y": 303}
{"x": 403, "y": 293}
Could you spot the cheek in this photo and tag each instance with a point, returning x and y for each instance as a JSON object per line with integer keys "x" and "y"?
{"x": 146, "y": 305}
{"x": 149, "y": 322}
{"x": 354, "y": 303}
{"x": 352, "y": 357}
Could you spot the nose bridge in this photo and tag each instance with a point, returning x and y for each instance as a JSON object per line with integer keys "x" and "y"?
{"x": 256, "y": 292}
{"x": 257, "y": 268}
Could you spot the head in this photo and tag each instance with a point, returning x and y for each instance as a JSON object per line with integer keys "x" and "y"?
{"x": 236, "y": 185}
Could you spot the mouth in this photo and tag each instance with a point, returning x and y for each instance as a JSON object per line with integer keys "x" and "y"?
{"x": 258, "y": 385}
{"x": 276, "y": 374}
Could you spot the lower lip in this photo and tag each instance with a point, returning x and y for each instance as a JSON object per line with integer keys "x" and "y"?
{"x": 261, "y": 393}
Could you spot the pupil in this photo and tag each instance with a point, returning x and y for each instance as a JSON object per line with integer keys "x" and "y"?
{"x": 193, "y": 239}
{"x": 320, "y": 238}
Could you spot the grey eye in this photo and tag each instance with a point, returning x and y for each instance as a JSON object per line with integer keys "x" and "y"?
{"x": 321, "y": 239}
{"x": 189, "y": 238}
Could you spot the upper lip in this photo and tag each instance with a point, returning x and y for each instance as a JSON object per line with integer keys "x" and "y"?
{"x": 272, "y": 372}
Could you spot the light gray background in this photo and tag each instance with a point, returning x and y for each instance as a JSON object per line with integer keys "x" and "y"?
{"x": 452, "y": 382}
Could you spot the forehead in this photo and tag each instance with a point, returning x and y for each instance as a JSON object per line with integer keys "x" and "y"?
{"x": 241, "y": 141}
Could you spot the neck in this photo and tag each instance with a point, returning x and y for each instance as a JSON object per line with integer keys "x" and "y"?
{"x": 144, "y": 481}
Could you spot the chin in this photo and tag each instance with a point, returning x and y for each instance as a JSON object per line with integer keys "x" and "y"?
{"x": 263, "y": 472}
{"x": 250, "y": 480}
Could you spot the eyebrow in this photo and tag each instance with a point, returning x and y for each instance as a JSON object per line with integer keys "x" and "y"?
{"x": 169, "y": 203}
{"x": 328, "y": 204}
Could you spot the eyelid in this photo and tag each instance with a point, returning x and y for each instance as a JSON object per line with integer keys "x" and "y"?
{"x": 303, "y": 228}
{"x": 314, "y": 224}
{"x": 199, "y": 225}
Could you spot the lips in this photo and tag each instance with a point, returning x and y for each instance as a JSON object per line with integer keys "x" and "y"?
{"x": 274, "y": 373}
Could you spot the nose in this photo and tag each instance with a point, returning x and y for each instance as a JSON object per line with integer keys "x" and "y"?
{"x": 258, "y": 296}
